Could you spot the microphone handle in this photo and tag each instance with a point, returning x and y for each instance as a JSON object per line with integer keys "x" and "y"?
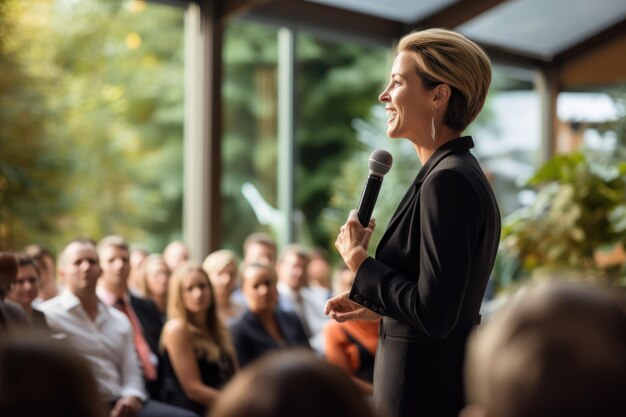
{"x": 368, "y": 199}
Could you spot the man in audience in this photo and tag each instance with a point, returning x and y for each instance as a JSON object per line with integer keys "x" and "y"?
{"x": 143, "y": 314}
{"x": 294, "y": 295}
{"x": 319, "y": 271}
{"x": 102, "y": 335}
{"x": 259, "y": 248}
{"x": 558, "y": 351}
{"x": 47, "y": 271}
{"x": 175, "y": 254}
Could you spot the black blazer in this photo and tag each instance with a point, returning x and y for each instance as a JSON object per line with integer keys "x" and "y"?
{"x": 251, "y": 340}
{"x": 152, "y": 324}
{"x": 428, "y": 281}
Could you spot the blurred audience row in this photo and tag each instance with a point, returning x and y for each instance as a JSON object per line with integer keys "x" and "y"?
{"x": 162, "y": 334}
{"x": 123, "y": 332}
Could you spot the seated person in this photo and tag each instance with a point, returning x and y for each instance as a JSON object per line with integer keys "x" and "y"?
{"x": 11, "y": 315}
{"x": 263, "y": 327}
{"x": 352, "y": 345}
{"x": 145, "y": 320}
{"x": 557, "y": 351}
{"x": 197, "y": 351}
{"x": 155, "y": 278}
{"x": 292, "y": 384}
{"x": 26, "y": 289}
{"x": 221, "y": 267}
{"x": 101, "y": 334}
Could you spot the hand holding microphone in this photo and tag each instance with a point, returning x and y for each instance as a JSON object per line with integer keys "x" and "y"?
{"x": 354, "y": 236}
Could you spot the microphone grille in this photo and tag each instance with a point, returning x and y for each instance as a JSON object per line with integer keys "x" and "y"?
{"x": 380, "y": 162}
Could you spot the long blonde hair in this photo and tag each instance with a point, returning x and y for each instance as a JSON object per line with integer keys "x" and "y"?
{"x": 211, "y": 341}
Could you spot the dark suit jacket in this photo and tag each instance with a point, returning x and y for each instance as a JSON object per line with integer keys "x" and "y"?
{"x": 251, "y": 340}
{"x": 152, "y": 324}
{"x": 428, "y": 281}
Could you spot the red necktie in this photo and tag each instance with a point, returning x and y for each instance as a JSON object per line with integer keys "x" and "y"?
{"x": 141, "y": 346}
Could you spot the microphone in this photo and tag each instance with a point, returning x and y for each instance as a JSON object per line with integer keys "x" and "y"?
{"x": 379, "y": 164}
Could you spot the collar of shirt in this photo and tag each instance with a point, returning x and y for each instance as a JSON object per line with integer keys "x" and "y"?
{"x": 109, "y": 298}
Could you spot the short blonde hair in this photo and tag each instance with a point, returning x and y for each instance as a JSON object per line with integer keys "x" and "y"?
{"x": 216, "y": 261}
{"x": 444, "y": 56}
{"x": 154, "y": 258}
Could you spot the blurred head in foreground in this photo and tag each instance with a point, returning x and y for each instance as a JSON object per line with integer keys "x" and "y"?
{"x": 41, "y": 377}
{"x": 291, "y": 383}
{"x": 558, "y": 350}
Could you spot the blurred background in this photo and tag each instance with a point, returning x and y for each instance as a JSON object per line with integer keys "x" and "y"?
{"x": 207, "y": 121}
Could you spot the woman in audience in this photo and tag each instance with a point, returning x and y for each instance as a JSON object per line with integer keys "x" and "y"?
{"x": 197, "y": 350}
{"x": 263, "y": 327}
{"x": 221, "y": 267}
{"x": 352, "y": 345}
{"x": 156, "y": 276}
{"x": 26, "y": 288}
{"x": 11, "y": 315}
{"x": 290, "y": 384}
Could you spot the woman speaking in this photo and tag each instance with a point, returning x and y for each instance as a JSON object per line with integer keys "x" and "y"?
{"x": 433, "y": 262}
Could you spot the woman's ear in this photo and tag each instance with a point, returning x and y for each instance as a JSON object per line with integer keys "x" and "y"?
{"x": 443, "y": 92}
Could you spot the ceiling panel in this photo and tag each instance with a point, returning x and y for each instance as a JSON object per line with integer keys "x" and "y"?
{"x": 543, "y": 27}
{"x": 406, "y": 11}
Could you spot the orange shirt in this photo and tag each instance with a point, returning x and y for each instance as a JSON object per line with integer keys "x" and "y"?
{"x": 340, "y": 351}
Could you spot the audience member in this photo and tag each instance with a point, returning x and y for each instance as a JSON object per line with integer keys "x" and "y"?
{"x": 221, "y": 267}
{"x": 319, "y": 271}
{"x": 259, "y": 248}
{"x": 155, "y": 281}
{"x": 26, "y": 288}
{"x": 352, "y": 345}
{"x": 42, "y": 377}
{"x": 198, "y": 353}
{"x": 308, "y": 303}
{"x": 558, "y": 351}
{"x": 47, "y": 271}
{"x": 289, "y": 384}
{"x": 175, "y": 253}
{"x": 145, "y": 320}
{"x": 102, "y": 335}
{"x": 11, "y": 315}
{"x": 263, "y": 327}
{"x": 138, "y": 255}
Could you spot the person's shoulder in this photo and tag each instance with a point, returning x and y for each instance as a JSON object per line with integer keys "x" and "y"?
{"x": 50, "y": 306}
{"x": 14, "y": 311}
{"x": 175, "y": 328}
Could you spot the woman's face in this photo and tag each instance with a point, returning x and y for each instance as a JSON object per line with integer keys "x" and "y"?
{"x": 157, "y": 277}
{"x": 196, "y": 292}
{"x": 26, "y": 287}
{"x": 259, "y": 288}
{"x": 225, "y": 278}
{"x": 409, "y": 105}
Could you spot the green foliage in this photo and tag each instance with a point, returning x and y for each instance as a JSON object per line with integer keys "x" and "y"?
{"x": 104, "y": 88}
{"x": 579, "y": 208}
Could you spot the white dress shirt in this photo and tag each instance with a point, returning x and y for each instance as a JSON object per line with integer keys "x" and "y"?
{"x": 308, "y": 304}
{"x": 106, "y": 343}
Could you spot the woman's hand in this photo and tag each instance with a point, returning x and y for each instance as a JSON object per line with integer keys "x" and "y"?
{"x": 340, "y": 308}
{"x": 353, "y": 241}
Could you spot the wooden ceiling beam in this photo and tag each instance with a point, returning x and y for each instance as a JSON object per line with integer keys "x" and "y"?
{"x": 457, "y": 13}
{"x": 229, "y": 8}
{"x": 322, "y": 18}
{"x": 591, "y": 44}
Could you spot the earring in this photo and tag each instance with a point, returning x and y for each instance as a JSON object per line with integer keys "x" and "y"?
{"x": 433, "y": 133}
